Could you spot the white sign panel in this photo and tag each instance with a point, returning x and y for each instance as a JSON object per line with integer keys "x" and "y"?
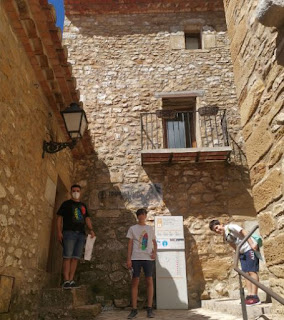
{"x": 169, "y": 243}
{"x": 169, "y": 227}
{"x": 171, "y": 283}
{"x": 171, "y": 286}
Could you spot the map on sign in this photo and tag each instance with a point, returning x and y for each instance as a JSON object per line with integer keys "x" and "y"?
{"x": 169, "y": 227}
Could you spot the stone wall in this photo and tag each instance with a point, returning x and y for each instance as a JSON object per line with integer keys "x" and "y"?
{"x": 28, "y": 183}
{"x": 257, "y": 55}
{"x": 198, "y": 192}
{"x": 120, "y": 62}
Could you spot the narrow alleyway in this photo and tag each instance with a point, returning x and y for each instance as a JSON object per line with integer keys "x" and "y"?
{"x": 196, "y": 314}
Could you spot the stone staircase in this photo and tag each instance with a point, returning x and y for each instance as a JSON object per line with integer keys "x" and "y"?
{"x": 232, "y": 305}
{"x": 73, "y": 304}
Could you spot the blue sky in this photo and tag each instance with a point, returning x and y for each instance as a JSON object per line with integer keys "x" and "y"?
{"x": 59, "y": 7}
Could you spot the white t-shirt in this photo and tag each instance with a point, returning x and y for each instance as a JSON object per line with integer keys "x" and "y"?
{"x": 232, "y": 235}
{"x": 142, "y": 237}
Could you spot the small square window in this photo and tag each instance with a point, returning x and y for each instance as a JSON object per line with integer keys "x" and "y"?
{"x": 192, "y": 41}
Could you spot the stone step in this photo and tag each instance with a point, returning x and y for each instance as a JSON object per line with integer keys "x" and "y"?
{"x": 233, "y": 307}
{"x": 71, "y": 304}
{"x": 271, "y": 316}
{"x": 263, "y": 296}
{"x": 87, "y": 312}
{"x": 49, "y": 313}
{"x": 64, "y": 299}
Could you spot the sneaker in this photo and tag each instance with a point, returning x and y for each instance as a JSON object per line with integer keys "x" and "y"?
{"x": 150, "y": 313}
{"x": 132, "y": 314}
{"x": 66, "y": 285}
{"x": 248, "y": 297}
{"x": 252, "y": 301}
{"x": 73, "y": 285}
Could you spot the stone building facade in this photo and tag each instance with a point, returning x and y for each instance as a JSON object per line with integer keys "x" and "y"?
{"x": 131, "y": 58}
{"x": 255, "y": 30}
{"x": 32, "y": 78}
{"x": 124, "y": 63}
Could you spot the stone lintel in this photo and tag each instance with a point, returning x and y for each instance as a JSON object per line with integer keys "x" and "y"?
{"x": 180, "y": 94}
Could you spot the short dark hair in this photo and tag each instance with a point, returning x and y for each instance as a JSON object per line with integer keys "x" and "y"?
{"x": 214, "y": 223}
{"x": 141, "y": 211}
{"x": 76, "y": 186}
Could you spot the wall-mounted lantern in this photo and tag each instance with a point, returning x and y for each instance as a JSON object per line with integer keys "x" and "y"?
{"x": 75, "y": 123}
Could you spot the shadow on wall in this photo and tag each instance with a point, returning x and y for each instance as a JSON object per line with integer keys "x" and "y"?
{"x": 115, "y": 25}
{"x": 280, "y": 47}
{"x": 106, "y": 273}
{"x": 168, "y": 296}
{"x": 200, "y": 192}
{"x": 195, "y": 277}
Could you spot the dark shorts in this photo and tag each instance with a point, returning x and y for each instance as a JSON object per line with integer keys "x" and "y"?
{"x": 73, "y": 244}
{"x": 249, "y": 261}
{"x": 147, "y": 266}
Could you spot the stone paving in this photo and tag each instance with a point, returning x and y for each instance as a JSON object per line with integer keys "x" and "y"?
{"x": 196, "y": 314}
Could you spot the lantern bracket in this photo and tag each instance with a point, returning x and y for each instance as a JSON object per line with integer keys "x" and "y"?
{"x": 53, "y": 147}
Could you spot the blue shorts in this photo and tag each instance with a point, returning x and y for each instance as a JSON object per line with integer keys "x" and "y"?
{"x": 73, "y": 244}
{"x": 249, "y": 261}
{"x": 147, "y": 266}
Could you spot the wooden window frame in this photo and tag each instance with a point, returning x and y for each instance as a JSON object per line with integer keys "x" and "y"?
{"x": 192, "y": 128}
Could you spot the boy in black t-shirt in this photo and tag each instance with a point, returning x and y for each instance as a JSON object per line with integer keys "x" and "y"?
{"x": 72, "y": 217}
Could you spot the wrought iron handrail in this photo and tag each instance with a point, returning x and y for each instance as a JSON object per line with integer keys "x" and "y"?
{"x": 255, "y": 282}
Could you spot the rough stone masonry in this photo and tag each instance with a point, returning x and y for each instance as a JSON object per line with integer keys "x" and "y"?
{"x": 120, "y": 62}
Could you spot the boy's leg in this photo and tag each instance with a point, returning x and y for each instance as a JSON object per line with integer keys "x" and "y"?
{"x": 136, "y": 265}
{"x": 73, "y": 267}
{"x": 253, "y": 287}
{"x": 66, "y": 269}
{"x": 150, "y": 291}
{"x": 148, "y": 270}
{"x": 69, "y": 241}
{"x": 77, "y": 253}
{"x": 134, "y": 292}
{"x": 250, "y": 265}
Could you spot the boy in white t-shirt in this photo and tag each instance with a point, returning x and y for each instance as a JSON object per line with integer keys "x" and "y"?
{"x": 141, "y": 253}
{"x": 234, "y": 234}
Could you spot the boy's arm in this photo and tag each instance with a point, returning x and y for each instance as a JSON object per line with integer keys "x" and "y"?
{"x": 90, "y": 227}
{"x": 253, "y": 245}
{"x": 59, "y": 228}
{"x": 154, "y": 252}
{"x": 129, "y": 252}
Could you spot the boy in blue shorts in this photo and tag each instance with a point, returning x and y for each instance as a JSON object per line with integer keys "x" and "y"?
{"x": 141, "y": 253}
{"x": 72, "y": 217}
{"x": 233, "y": 234}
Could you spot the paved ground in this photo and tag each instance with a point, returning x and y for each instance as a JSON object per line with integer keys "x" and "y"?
{"x": 196, "y": 314}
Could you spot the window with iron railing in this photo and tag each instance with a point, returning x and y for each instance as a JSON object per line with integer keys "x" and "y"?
{"x": 173, "y": 129}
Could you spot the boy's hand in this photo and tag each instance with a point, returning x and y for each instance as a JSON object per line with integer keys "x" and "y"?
{"x": 254, "y": 246}
{"x": 153, "y": 255}
{"x": 92, "y": 233}
{"x": 129, "y": 263}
